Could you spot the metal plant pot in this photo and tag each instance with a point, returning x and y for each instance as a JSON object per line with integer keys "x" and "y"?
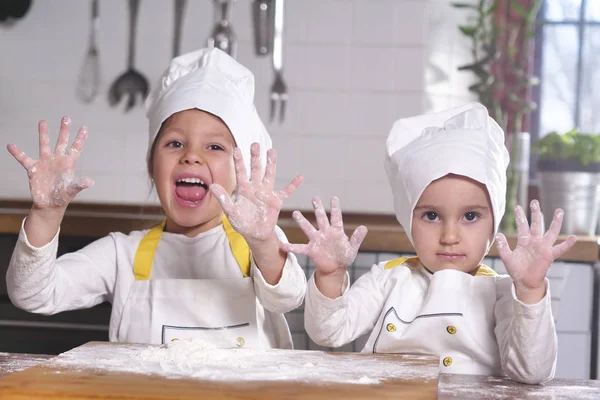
{"x": 575, "y": 188}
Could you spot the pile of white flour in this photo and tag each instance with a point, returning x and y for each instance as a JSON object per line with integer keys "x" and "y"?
{"x": 201, "y": 360}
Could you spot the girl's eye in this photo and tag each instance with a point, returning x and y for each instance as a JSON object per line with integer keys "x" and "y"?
{"x": 216, "y": 147}
{"x": 471, "y": 216}
{"x": 175, "y": 144}
{"x": 431, "y": 216}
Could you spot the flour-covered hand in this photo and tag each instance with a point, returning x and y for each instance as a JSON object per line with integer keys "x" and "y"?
{"x": 329, "y": 248}
{"x": 529, "y": 262}
{"x": 52, "y": 178}
{"x": 254, "y": 209}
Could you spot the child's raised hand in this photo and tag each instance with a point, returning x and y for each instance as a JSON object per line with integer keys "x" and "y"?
{"x": 528, "y": 263}
{"x": 52, "y": 178}
{"x": 329, "y": 248}
{"x": 255, "y": 210}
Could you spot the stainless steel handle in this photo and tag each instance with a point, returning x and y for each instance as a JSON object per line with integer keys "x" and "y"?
{"x": 222, "y": 36}
{"x": 262, "y": 12}
{"x": 278, "y": 36}
{"x": 88, "y": 82}
{"x": 95, "y": 23}
{"x": 179, "y": 8}
{"x": 134, "y": 6}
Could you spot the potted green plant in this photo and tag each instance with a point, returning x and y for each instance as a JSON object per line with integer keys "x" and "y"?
{"x": 569, "y": 174}
{"x": 568, "y": 150}
{"x": 501, "y": 53}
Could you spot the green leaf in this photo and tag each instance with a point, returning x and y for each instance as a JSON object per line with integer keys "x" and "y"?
{"x": 571, "y": 145}
{"x": 520, "y": 9}
{"x": 478, "y": 69}
{"x": 463, "y": 5}
{"x": 468, "y": 30}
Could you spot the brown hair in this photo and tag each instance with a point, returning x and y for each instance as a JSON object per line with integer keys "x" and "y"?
{"x": 150, "y": 161}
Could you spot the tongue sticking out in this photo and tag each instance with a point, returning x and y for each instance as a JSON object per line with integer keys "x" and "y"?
{"x": 190, "y": 192}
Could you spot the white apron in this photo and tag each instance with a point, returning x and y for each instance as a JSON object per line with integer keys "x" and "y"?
{"x": 454, "y": 319}
{"x": 220, "y": 311}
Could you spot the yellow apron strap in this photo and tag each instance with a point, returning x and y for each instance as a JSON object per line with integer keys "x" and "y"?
{"x": 239, "y": 247}
{"x": 397, "y": 262}
{"x": 484, "y": 270}
{"x": 142, "y": 263}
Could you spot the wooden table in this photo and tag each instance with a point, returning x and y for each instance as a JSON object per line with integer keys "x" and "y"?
{"x": 15, "y": 362}
{"x": 473, "y": 387}
{"x": 103, "y": 370}
{"x": 450, "y": 386}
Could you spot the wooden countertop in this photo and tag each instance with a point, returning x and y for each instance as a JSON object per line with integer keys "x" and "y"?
{"x": 115, "y": 370}
{"x": 476, "y": 387}
{"x": 385, "y": 234}
{"x": 450, "y": 386}
{"x": 11, "y": 363}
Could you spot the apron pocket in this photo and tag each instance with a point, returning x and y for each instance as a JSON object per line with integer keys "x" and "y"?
{"x": 221, "y": 337}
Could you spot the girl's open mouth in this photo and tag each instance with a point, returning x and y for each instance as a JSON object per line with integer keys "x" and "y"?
{"x": 190, "y": 191}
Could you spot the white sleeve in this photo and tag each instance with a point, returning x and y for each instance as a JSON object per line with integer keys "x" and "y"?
{"x": 336, "y": 322}
{"x": 526, "y": 336}
{"x": 38, "y": 282}
{"x": 289, "y": 292}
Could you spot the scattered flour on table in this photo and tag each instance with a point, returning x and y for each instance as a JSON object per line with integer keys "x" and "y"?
{"x": 201, "y": 360}
{"x": 11, "y": 363}
{"x": 503, "y": 388}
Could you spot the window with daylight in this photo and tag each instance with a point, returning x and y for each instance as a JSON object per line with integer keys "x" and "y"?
{"x": 567, "y": 60}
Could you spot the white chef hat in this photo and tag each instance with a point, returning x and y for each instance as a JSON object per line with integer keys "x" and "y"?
{"x": 210, "y": 80}
{"x": 463, "y": 140}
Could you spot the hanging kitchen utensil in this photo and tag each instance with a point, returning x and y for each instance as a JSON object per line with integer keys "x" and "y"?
{"x": 178, "y": 26}
{"x": 279, "y": 94}
{"x": 131, "y": 83}
{"x": 88, "y": 84}
{"x": 262, "y": 16}
{"x": 223, "y": 37}
{"x": 13, "y": 10}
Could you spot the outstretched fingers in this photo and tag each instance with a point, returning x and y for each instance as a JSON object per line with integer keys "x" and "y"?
{"x": 241, "y": 176}
{"x": 337, "y": 221}
{"x": 20, "y": 156}
{"x": 44, "y": 140}
{"x": 537, "y": 223}
{"x": 63, "y": 137}
{"x": 563, "y": 247}
{"x": 358, "y": 236}
{"x": 270, "y": 170}
{"x": 79, "y": 185}
{"x": 78, "y": 143}
{"x": 554, "y": 230}
{"x": 502, "y": 246}
{"x": 222, "y": 197}
{"x": 290, "y": 188}
{"x": 523, "y": 232}
{"x": 320, "y": 214}
{"x": 304, "y": 224}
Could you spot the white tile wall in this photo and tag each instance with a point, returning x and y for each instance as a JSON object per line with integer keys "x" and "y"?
{"x": 352, "y": 66}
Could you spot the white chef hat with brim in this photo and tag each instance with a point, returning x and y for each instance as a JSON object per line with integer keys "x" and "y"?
{"x": 210, "y": 80}
{"x": 463, "y": 140}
